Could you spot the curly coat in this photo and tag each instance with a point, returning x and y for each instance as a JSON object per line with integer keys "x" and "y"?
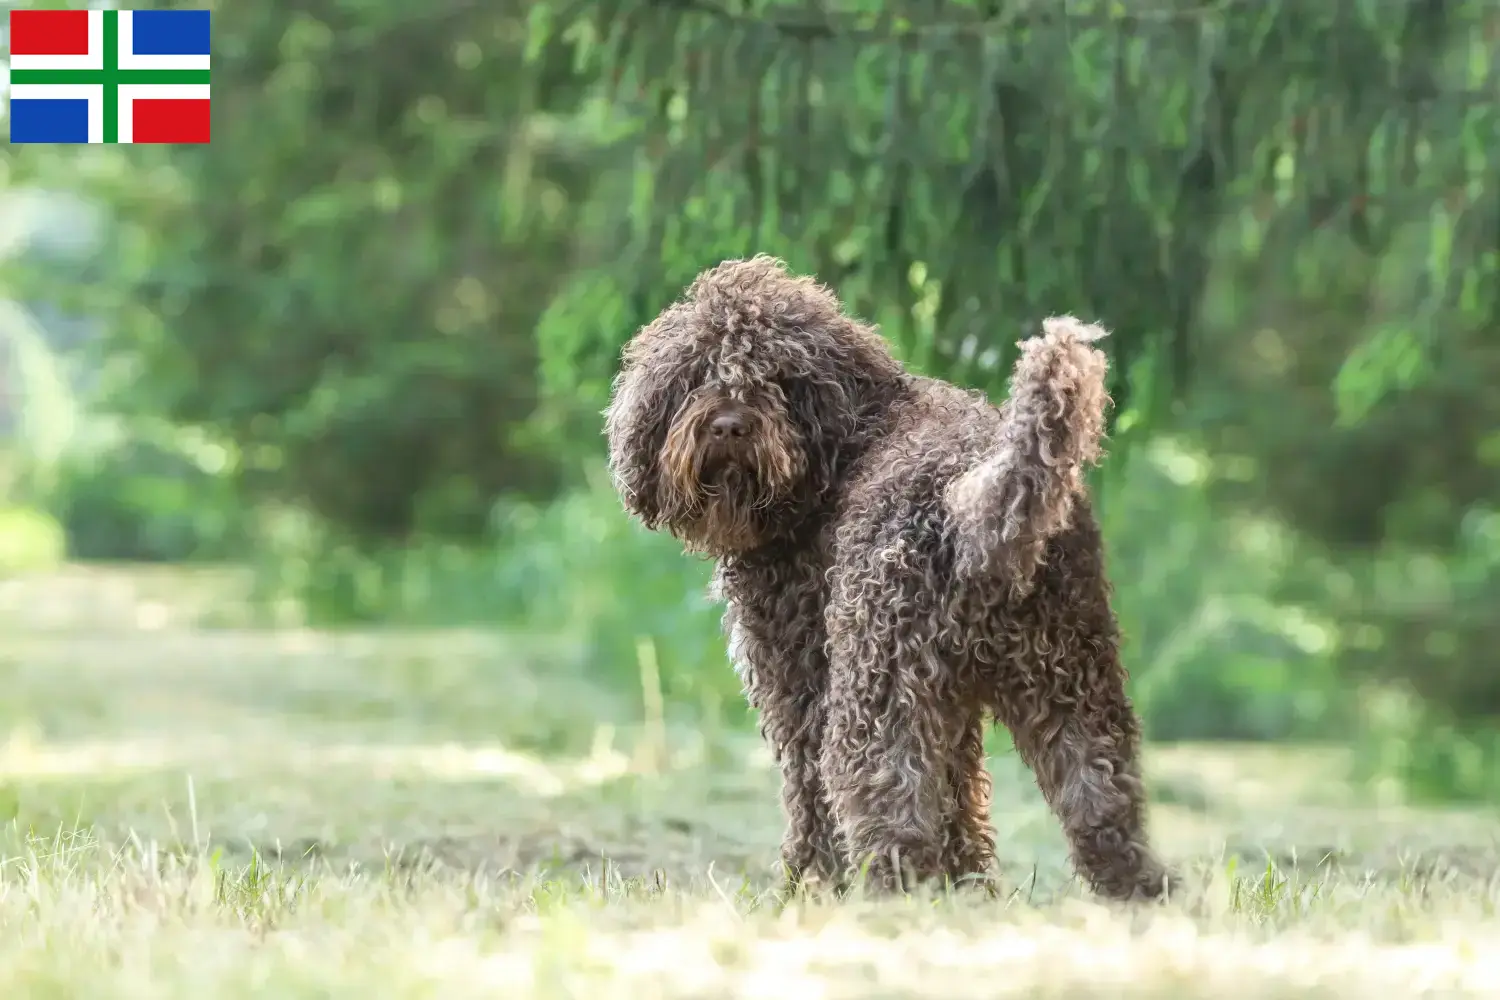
{"x": 899, "y": 559}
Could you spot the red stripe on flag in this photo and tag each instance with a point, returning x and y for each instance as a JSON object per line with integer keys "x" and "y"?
{"x": 161, "y": 119}
{"x": 49, "y": 32}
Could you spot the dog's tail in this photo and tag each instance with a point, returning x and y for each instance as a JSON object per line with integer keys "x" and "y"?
{"x": 1007, "y": 506}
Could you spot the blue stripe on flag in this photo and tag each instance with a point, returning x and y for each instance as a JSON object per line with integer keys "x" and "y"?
{"x": 49, "y": 120}
{"x": 169, "y": 32}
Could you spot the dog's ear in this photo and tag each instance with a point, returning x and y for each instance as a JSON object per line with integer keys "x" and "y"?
{"x": 826, "y": 411}
{"x": 837, "y": 397}
{"x": 647, "y": 393}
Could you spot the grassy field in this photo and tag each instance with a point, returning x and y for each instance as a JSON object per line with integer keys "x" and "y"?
{"x": 193, "y": 808}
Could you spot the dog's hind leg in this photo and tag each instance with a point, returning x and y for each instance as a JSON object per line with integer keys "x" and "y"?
{"x": 1085, "y": 753}
{"x": 887, "y": 790}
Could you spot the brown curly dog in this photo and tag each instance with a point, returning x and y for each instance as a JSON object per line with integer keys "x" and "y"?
{"x": 898, "y": 558}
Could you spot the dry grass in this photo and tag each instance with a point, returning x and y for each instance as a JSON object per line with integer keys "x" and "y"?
{"x": 229, "y": 813}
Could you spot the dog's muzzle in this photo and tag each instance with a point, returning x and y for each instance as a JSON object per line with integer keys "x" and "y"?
{"x": 725, "y": 442}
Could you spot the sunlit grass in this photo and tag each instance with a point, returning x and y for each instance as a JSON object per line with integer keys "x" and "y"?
{"x": 141, "y": 921}
{"x": 292, "y": 814}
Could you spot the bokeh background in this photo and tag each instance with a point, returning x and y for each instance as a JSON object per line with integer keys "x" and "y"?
{"x": 355, "y": 349}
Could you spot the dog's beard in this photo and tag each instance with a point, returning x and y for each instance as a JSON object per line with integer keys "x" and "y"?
{"x": 732, "y": 502}
{"x": 731, "y": 507}
{"x": 727, "y": 503}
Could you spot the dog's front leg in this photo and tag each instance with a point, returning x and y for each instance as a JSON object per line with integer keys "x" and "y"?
{"x": 810, "y": 851}
{"x": 787, "y": 687}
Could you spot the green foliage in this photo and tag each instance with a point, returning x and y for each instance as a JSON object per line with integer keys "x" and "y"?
{"x": 138, "y": 490}
{"x": 352, "y": 314}
{"x": 1211, "y": 652}
{"x": 575, "y": 567}
{"x": 147, "y": 498}
{"x": 1030, "y": 160}
{"x": 579, "y": 567}
{"x": 1429, "y": 751}
{"x": 30, "y": 540}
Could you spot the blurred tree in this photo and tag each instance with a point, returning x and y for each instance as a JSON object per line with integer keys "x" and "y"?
{"x": 344, "y": 283}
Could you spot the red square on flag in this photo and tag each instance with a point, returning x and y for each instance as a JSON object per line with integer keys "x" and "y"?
{"x": 169, "y": 120}
{"x": 49, "y": 32}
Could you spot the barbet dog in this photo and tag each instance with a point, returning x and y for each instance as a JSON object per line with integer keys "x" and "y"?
{"x": 900, "y": 560}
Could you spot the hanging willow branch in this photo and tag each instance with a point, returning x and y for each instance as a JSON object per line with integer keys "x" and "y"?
{"x": 949, "y": 20}
{"x": 1033, "y": 157}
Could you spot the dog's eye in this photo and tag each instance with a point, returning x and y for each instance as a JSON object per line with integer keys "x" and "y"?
{"x": 792, "y": 388}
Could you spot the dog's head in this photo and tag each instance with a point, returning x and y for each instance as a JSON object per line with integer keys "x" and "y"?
{"x": 737, "y": 410}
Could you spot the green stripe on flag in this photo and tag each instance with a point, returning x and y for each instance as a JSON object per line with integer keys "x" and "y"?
{"x": 119, "y": 76}
{"x": 111, "y": 67}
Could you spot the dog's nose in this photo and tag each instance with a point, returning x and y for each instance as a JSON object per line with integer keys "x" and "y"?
{"x": 727, "y": 425}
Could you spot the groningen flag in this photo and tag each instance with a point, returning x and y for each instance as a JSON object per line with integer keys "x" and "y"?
{"x": 84, "y": 76}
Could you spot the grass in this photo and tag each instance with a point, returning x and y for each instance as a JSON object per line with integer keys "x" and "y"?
{"x": 219, "y": 811}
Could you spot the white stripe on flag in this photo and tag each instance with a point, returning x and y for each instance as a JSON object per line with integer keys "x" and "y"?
{"x": 130, "y": 92}
{"x": 94, "y": 60}
{"x": 129, "y": 60}
{"x": 91, "y": 92}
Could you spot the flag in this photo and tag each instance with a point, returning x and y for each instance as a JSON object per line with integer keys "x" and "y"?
{"x": 82, "y": 76}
